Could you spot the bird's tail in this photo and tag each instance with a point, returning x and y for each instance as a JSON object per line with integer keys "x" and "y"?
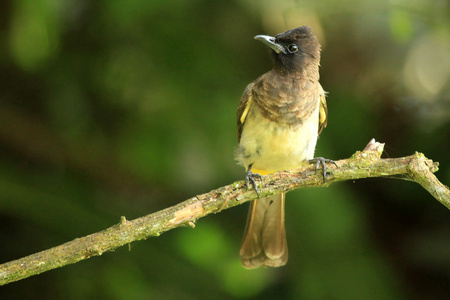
{"x": 264, "y": 242}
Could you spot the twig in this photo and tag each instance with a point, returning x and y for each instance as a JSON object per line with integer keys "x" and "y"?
{"x": 362, "y": 164}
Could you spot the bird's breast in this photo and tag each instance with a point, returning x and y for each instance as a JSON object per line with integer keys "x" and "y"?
{"x": 274, "y": 146}
{"x": 286, "y": 101}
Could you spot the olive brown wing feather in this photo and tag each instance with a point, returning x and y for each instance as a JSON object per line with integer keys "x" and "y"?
{"x": 323, "y": 111}
{"x": 244, "y": 108}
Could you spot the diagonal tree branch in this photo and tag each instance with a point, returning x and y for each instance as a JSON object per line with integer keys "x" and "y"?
{"x": 363, "y": 164}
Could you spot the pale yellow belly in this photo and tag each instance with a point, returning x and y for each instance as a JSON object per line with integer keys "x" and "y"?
{"x": 270, "y": 147}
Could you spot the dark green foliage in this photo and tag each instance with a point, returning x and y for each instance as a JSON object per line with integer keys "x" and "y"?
{"x": 121, "y": 108}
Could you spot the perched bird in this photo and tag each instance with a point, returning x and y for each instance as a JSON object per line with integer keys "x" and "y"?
{"x": 279, "y": 118}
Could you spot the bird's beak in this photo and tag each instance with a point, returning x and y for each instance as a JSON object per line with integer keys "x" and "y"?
{"x": 269, "y": 41}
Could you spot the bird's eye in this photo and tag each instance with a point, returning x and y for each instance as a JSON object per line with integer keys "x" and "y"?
{"x": 292, "y": 48}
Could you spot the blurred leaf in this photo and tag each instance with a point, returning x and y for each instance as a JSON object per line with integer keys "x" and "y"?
{"x": 401, "y": 25}
{"x": 205, "y": 245}
{"x": 34, "y": 35}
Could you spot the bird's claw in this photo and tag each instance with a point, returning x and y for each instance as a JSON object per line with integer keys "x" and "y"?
{"x": 320, "y": 161}
{"x": 250, "y": 178}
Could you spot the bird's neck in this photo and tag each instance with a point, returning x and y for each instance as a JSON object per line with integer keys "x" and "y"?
{"x": 310, "y": 72}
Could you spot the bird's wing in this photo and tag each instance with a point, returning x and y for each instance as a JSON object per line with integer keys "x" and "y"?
{"x": 323, "y": 111}
{"x": 244, "y": 108}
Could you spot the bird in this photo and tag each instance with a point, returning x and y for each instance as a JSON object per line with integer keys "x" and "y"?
{"x": 279, "y": 118}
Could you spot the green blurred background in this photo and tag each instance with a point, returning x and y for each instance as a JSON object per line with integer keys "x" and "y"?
{"x": 122, "y": 108}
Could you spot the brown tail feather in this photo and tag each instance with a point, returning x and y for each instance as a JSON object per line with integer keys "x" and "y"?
{"x": 264, "y": 242}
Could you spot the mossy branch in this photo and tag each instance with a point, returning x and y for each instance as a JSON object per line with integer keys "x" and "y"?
{"x": 363, "y": 164}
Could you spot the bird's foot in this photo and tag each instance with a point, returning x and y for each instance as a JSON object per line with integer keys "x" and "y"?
{"x": 320, "y": 161}
{"x": 250, "y": 178}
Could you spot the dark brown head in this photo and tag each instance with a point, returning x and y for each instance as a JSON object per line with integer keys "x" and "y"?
{"x": 293, "y": 50}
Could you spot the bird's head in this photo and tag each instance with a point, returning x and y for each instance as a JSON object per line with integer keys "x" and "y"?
{"x": 293, "y": 50}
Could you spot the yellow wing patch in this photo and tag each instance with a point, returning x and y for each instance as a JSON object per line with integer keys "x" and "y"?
{"x": 323, "y": 113}
{"x": 246, "y": 110}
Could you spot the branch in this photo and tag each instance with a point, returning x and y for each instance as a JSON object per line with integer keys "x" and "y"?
{"x": 363, "y": 164}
